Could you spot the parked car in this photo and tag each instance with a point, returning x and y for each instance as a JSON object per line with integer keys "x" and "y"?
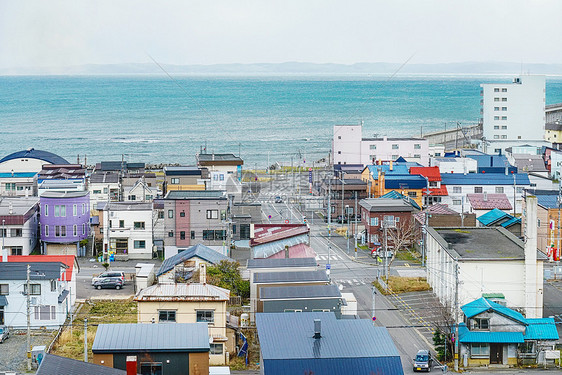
{"x": 4, "y": 333}
{"x": 118, "y": 274}
{"x": 278, "y": 199}
{"x": 108, "y": 282}
{"x": 423, "y": 361}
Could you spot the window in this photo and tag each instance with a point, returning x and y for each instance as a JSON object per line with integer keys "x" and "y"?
{"x": 45, "y": 312}
{"x": 46, "y": 231}
{"x": 504, "y": 108}
{"x": 15, "y": 232}
{"x": 292, "y": 310}
{"x": 46, "y": 210}
{"x": 132, "y": 197}
{"x": 182, "y": 235}
{"x": 496, "y": 108}
{"x": 151, "y": 368}
{"x": 479, "y": 350}
{"x": 373, "y": 147}
{"x": 504, "y": 127}
{"x": 75, "y": 230}
{"x": 417, "y": 156}
{"x": 160, "y": 214}
{"x": 182, "y": 214}
{"x": 17, "y": 250}
{"x": 496, "y": 117}
{"x": 175, "y": 181}
{"x": 432, "y": 184}
{"x": 148, "y": 197}
{"x": 139, "y": 244}
{"x": 339, "y": 136}
{"x": 60, "y": 210}
{"x": 373, "y": 157}
{"x": 60, "y": 231}
{"x": 504, "y": 136}
{"x": 496, "y": 89}
{"x": 171, "y": 233}
{"x": 206, "y": 316}
{"x": 394, "y": 157}
{"x": 496, "y": 136}
{"x": 504, "y": 99}
{"x": 212, "y": 214}
{"x": 192, "y": 234}
{"x": 504, "y": 89}
{"x": 121, "y": 223}
{"x": 417, "y": 146}
{"x": 496, "y": 127}
{"x": 170, "y": 214}
{"x": 166, "y": 315}
{"x": 223, "y": 214}
{"x": 216, "y": 348}
{"x": 395, "y": 146}
{"x": 499, "y": 189}
{"x": 74, "y": 210}
{"x": 481, "y": 323}
{"x": 504, "y": 118}
{"x": 374, "y": 221}
{"x": 519, "y": 189}
{"x": 35, "y": 289}
{"x": 83, "y": 228}
{"x": 83, "y": 208}
{"x": 97, "y": 192}
{"x": 478, "y": 189}
{"x": 53, "y": 285}
{"x": 496, "y": 99}
{"x": 4, "y": 289}
{"x": 457, "y": 202}
{"x": 3, "y": 232}
{"x": 412, "y": 194}
{"x": 139, "y": 225}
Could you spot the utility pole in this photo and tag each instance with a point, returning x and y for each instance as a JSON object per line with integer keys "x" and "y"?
{"x": 456, "y": 317}
{"x": 28, "y": 300}
{"x": 385, "y": 249}
{"x": 329, "y": 206}
{"x": 355, "y": 226}
{"x": 342, "y": 195}
{"x": 86, "y": 340}
{"x": 373, "y": 291}
{"x": 347, "y": 231}
{"x": 514, "y": 195}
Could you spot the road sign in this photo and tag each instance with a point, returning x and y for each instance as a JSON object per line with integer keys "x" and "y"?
{"x": 374, "y": 318}
{"x": 286, "y": 221}
{"x": 328, "y": 266}
{"x": 269, "y": 216}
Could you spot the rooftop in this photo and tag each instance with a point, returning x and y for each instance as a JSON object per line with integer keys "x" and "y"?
{"x": 18, "y": 206}
{"x": 32, "y": 153}
{"x": 196, "y": 194}
{"x": 199, "y": 251}
{"x": 104, "y": 177}
{"x": 282, "y": 263}
{"x": 64, "y": 194}
{"x": 432, "y": 173}
{"x": 177, "y": 337}
{"x": 125, "y": 206}
{"x": 386, "y": 205}
{"x": 69, "y": 260}
{"x": 548, "y": 201}
{"x": 300, "y": 292}
{"x": 39, "y": 271}
{"x": 529, "y": 163}
{"x": 493, "y": 216}
{"x": 264, "y": 233}
{"x": 54, "y": 365}
{"x": 205, "y": 158}
{"x": 290, "y": 277}
{"x": 183, "y": 292}
{"x": 404, "y": 181}
{"x": 484, "y": 179}
{"x": 485, "y": 201}
{"x": 182, "y": 171}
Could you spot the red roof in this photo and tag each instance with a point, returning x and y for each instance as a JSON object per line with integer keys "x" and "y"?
{"x": 499, "y": 201}
{"x": 441, "y": 191}
{"x": 69, "y": 260}
{"x": 432, "y": 173}
{"x": 264, "y": 233}
{"x": 297, "y": 251}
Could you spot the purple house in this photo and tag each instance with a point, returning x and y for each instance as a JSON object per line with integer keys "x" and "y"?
{"x": 64, "y": 221}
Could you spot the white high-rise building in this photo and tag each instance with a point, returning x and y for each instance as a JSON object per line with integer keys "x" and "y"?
{"x": 513, "y": 113}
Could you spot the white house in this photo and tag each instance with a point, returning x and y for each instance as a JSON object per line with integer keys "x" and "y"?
{"x": 454, "y": 165}
{"x": 349, "y": 147}
{"x": 103, "y": 187}
{"x": 18, "y": 224}
{"x": 487, "y": 260}
{"x": 139, "y": 192}
{"x": 127, "y": 229}
{"x": 49, "y": 294}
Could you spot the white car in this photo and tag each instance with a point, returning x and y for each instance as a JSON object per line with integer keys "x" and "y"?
{"x": 106, "y": 274}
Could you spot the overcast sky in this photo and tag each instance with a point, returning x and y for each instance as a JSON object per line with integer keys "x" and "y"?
{"x": 75, "y": 32}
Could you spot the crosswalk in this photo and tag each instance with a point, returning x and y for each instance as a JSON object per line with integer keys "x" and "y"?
{"x": 350, "y": 282}
{"x": 332, "y": 257}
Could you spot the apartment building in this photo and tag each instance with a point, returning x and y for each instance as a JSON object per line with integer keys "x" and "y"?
{"x": 19, "y": 220}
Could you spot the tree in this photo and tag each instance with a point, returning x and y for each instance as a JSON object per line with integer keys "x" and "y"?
{"x": 400, "y": 235}
{"x": 227, "y": 275}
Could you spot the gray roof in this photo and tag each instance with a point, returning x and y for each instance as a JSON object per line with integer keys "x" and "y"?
{"x": 63, "y": 194}
{"x": 19, "y": 206}
{"x": 125, "y": 206}
{"x": 487, "y": 243}
{"x": 529, "y": 163}
{"x": 557, "y": 126}
{"x": 282, "y": 262}
{"x": 300, "y": 292}
{"x": 346, "y": 346}
{"x": 290, "y": 277}
{"x": 104, "y": 177}
{"x": 39, "y": 271}
{"x": 182, "y": 171}
{"x": 386, "y": 205}
{"x": 200, "y": 251}
{"x": 218, "y": 157}
{"x": 196, "y": 194}
{"x": 177, "y": 337}
{"x": 183, "y": 292}
{"x": 55, "y": 365}
{"x": 348, "y": 181}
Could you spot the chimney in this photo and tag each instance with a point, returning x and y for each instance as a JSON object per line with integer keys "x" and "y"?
{"x": 485, "y": 199}
{"x": 317, "y": 328}
{"x": 131, "y": 365}
{"x": 203, "y": 273}
{"x": 533, "y": 281}
{"x": 287, "y": 252}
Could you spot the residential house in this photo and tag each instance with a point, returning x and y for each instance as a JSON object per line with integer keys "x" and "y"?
{"x": 280, "y": 265}
{"x": 129, "y": 179}
{"x": 482, "y": 203}
{"x": 487, "y": 260}
{"x": 53, "y": 365}
{"x": 280, "y": 241}
{"x": 526, "y": 163}
{"x": 553, "y": 112}
{"x": 120, "y": 166}
{"x": 436, "y": 190}
{"x": 61, "y": 178}
{"x": 498, "y": 217}
{"x": 394, "y": 176}
{"x": 282, "y": 279}
{"x": 553, "y": 133}
{"x": 191, "y": 303}
{"x": 455, "y": 164}
{"x": 343, "y": 196}
{"x": 139, "y": 192}
{"x": 318, "y": 343}
{"x": 487, "y": 163}
{"x": 64, "y": 220}
{"x": 104, "y": 187}
{"x": 193, "y": 217}
{"x": 243, "y": 214}
{"x": 439, "y": 215}
{"x": 184, "y": 178}
{"x": 181, "y": 265}
{"x": 352, "y": 171}
{"x": 19, "y": 220}
{"x": 17, "y": 184}
{"x": 225, "y": 171}
{"x": 549, "y": 215}
{"x": 396, "y": 215}
{"x": 127, "y": 229}
{"x": 493, "y": 334}
{"x": 307, "y": 298}
{"x": 350, "y": 147}
{"x": 173, "y": 349}
{"x": 49, "y": 293}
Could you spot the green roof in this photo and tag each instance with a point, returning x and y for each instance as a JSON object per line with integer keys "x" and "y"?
{"x": 493, "y": 295}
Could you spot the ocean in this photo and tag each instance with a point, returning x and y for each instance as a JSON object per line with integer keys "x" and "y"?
{"x": 155, "y": 119}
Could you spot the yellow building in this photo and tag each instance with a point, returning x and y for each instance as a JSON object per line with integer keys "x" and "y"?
{"x": 383, "y": 179}
{"x": 553, "y": 132}
{"x": 190, "y": 303}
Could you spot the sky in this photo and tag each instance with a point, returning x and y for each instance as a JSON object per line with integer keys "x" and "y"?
{"x": 56, "y": 33}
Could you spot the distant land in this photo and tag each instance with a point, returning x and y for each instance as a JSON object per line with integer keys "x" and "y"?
{"x": 463, "y": 68}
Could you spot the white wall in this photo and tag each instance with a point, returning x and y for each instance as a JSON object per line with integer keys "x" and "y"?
{"x": 490, "y": 189}
{"x": 104, "y": 189}
{"x": 132, "y": 234}
{"x": 455, "y": 165}
{"x": 346, "y": 144}
{"x": 23, "y": 165}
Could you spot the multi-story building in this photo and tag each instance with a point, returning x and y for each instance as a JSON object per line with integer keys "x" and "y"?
{"x": 513, "y": 113}
{"x": 104, "y": 187}
{"x": 227, "y": 163}
{"x": 343, "y": 194}
{"x": 61, "y": 178}
{"x": 553, "y": 133}
{"x": 19, "y": 220}
{"x": 349, "y": 147}
{"x": 192, "y": 217}
{"x": 184, "y": 178}
{"x": 380, "y": 213}
{"x": 64, "y": 221}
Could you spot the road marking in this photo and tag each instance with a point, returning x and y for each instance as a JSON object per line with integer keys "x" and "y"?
{"x": 407, "y": 264}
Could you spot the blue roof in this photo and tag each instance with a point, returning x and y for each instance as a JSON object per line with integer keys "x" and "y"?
{"x": 397, "y": 168}
{"x": 482, "y": 304}
{"x": 32, "y": 153}
{"x": 493, "y": 216}
{"x": 510, "y": 222}
{"x": 404, "y": 181}
{"x": 484, "y": 179}
{"x": 548, "y": 201}
{"x": 467, "y": 336}
{"x": 541, "y": 329}
{"x": 484, "y": 160}
{"x": 200, "y": 251}
{"x": 18, "y": 174}
{"x": 396, "y": 195}
{"x": 346, "y": 346}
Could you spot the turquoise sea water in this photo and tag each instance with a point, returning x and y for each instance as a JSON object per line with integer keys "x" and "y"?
{"x": 156, "y": 120}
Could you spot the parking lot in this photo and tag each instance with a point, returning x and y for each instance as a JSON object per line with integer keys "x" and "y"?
{"x": 13, "y": 350}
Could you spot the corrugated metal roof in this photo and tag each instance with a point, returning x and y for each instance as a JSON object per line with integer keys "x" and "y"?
{"x": 492, "y": 216}
{"x": 386, "y": 204}
{"x": 482, "y": 304}
{"x": 282, "y": 263}
{"x": 199, "y": 250}
{"x": 484, "y": 179}
{"x": 196, "y": 194}
{"x": 290, "y": 277}
{"x": 396, "y": 195}
{"x": 510, "y": 222}
{"x": 55, "y": 365}
{"x": 286, "y": 340}
{"x": 466, "y": 336}
{"x": 395, "y": 181}
{"x": 177, "y": 337}
{"x": 39, "y": 271}
{"x": 294, "y": 292}
{"x": 484, "y": 201}
{"x": 64, "y": 194}
{"x": 32, "y": 153}
{"x": 541, "y": 329}
{"x": 183, "y": 292}
{"x": 548, "y": 201}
